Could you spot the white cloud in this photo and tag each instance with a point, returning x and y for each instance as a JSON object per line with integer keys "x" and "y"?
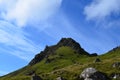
{"x": 99, "y": 9}
{"x": 22, "y": 12}
{"x": 14, "y": 40}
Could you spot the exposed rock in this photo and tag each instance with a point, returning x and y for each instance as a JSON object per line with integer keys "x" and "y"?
{"x": 88, "y": 79}
{"x": 97, "y": 60}
{"x": 73, "y": 44}
{"x": 43, "y": 54}
{"x": 92, "y": 74}
{"x": 87, "y": 72}
{"x": 60, "y": 78}
{"x": 36, "y": 77}
{"x": 51, "y": 49}
{"x": 94, "y": 54}
{"x": 116, "y": 65}
{"x": 115, "y": 76}
{"x": 115, "y": 49}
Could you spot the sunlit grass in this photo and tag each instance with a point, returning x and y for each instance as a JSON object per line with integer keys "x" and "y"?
{"x": 67, "y": 63}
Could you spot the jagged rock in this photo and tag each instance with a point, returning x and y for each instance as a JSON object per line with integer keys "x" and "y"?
{"x": 92, "y": 74}
{"x": 115, "y": 76}
{"x": 88, "y": 79}
{"x": 116, "y": 65}
{"x": 87, "y": 72}
{"x": 36, "y": 77}
{"x": 94, "y": 54}
{"x": 51, "y": 49}
{"x": 60, "y": 78}
{"x": 97, "y": 60}
{"x": 115, "y": 49}
{"x": 73, "y": 44}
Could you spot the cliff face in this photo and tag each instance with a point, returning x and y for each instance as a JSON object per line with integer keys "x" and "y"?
{"x": 69, "y": 42}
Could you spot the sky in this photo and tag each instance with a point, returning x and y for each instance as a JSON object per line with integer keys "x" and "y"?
{"x": 27, "y": 26}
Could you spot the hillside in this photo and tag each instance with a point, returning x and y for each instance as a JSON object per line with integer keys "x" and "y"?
{"x": 67, "y": 59}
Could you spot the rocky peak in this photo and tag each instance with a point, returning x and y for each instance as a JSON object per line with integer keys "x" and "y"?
{"x": 68, "y": 42}
{"x": 73, "y": 44}
{"x": 51, "y": 49}
{"x": 115, "y": 49}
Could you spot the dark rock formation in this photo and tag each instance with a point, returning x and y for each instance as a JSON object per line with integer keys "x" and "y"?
{"x": 115, "y": 49}
{"x": 43, "y": 54}
{"x": 94, "y": 54}
{"x": 60, "y": 78}
{"x": 115, "y": 76}
{"x": 73, "y": 44}
{"x": 36, "y": 77}
{"x": 116, "y": 65}
{"x": 92, "y": 74}
{"x": 51, "y": 49}
{"x": 97, "y": 60}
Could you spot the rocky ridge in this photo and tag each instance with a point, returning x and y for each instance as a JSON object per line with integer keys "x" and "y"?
{"x": 69, "y": 42}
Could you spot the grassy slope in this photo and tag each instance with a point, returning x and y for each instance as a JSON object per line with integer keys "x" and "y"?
{"x": 67, "y": 63}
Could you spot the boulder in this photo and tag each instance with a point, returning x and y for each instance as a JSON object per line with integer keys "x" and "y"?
{"x": 97, "y": 60}
{"x": 94, "y": 54}
{"x": 116, "y": 65}
{"x": 115, "y": 76}
{"x": 92, "y": 74}
{"x": 36, "y": 77}
{"x": 60, "y": 78}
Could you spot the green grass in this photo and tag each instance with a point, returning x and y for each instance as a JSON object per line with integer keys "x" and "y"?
{"x": 67, "y": 63}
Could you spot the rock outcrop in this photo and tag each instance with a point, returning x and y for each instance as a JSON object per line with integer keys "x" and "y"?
{"x": 73, "y": 44}
{"x": 97, "y": 60}
{"x": 116, "y": 65}
{"x": 69, "y": 42}
{"x": 92, "y": 74}
{"x": 60, "y": 78}
{"x": 115, "y": 49}
{"x": 94, "y": 54}
{"x": 36, "y": 77}
{"x": 115, "y": 76}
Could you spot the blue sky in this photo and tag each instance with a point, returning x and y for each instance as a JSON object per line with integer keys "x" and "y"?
{"x": 27, "y": 26}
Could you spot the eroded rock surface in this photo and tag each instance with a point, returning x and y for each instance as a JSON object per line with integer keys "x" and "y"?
{"x": 92, "y": 74}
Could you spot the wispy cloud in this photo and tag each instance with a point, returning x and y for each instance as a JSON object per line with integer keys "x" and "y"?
{"x": 22, "y": 12}
{"x": 64, "y": 29}
{"x": 100, "y": 9}
{"x": 16, "y": 14}
{"x": 16, "y": 42}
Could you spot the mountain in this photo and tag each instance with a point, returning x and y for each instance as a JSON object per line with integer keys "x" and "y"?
{"x": 49, "y": 50}
{"x": 67, "y": 60}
